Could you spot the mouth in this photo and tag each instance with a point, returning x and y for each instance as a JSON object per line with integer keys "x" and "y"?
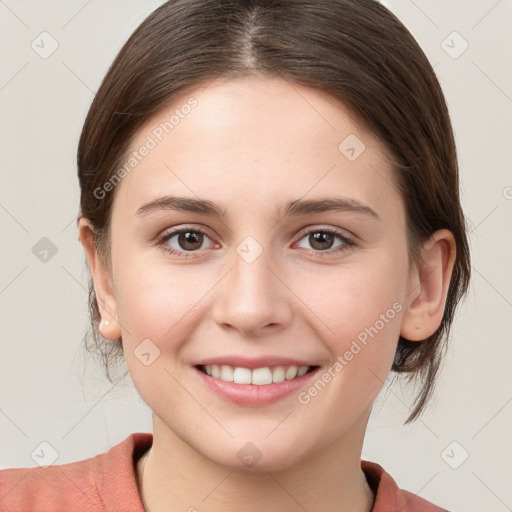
{"x": 255, "y": 376}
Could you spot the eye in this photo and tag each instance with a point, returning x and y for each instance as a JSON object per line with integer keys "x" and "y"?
{"x": 182, "y": 241}
{"x": 186, "y": 241}
{"x": 322, "y": 240}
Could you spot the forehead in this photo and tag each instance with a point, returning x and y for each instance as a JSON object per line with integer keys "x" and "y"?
{"x": 256, "y": 139}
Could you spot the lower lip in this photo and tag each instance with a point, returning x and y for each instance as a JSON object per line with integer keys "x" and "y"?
{"x": 253, "y": 395}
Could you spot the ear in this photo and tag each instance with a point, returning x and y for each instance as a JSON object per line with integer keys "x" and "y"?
{"x": 102, "y": 282}
{"x": 428, "y": 287}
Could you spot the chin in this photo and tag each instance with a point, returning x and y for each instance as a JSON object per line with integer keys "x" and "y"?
{"x": 259, "y": 456}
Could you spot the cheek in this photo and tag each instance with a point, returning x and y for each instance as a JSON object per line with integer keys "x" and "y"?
{"x": 360, "y": 312}
{"x": 350, "y": 300}
{"x": 154, "y": 302}
{"x": 157, "y": 310}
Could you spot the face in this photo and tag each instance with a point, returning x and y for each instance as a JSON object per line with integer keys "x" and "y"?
{"x": 298, "y": 258}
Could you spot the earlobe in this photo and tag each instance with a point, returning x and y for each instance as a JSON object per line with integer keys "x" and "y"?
{"x": 428, "y": 287}
{"x": 109, "y": 326}
{"x": 109, "y": 329}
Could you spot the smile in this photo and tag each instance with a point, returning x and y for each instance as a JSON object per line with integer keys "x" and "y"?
{"x": 256, "y": 376}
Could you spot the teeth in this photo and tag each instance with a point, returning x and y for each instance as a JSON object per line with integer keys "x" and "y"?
{"x": 242, "y": 376}
{"x": 261, "y": 376}
{"x": 278, "y": 374}
{"x": 226, "y": 373}
{"x": 258, "y": 376}
{"x": 291, "y": 373}
{"x": 302, "y": 371}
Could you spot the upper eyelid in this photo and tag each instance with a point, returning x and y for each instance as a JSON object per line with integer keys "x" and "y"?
{"x": 330, "y": 229}
{"x": 171, "y": 232}
{"x": 175, "y": 230}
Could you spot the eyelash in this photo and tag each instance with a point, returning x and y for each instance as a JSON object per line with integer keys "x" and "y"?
{"x": 348, "y": 242}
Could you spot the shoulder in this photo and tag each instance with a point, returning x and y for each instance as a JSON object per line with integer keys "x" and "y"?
{"x": 389, "y": 497}
{"x": 59, "y": 486}
{"x": 104, "y": 482}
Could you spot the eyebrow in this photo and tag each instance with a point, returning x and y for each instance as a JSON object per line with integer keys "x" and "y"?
{"x": 292, "y": 208}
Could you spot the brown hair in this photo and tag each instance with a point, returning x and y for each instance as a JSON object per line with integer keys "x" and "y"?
{"x": 355, "y": 50}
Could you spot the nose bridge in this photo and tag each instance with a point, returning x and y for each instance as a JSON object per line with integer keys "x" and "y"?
{"x": 252, "y": 297}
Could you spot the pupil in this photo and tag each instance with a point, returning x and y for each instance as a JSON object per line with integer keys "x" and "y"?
{"x": 322, "y": 237}
{"x": 189, "y": 237}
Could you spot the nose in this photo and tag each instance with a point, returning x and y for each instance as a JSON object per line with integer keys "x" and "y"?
{"x": 253, "y": 298}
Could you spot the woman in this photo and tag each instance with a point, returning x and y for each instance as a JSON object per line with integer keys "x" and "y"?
{"x": 270, "y": 213}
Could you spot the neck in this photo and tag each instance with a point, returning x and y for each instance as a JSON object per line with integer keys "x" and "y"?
{"x": 174, "y": 477}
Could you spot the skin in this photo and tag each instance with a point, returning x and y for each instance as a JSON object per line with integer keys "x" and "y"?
{"x": 251, "y": 145}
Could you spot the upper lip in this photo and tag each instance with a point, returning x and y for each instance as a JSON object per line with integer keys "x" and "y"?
{"x": 253, "y": 362}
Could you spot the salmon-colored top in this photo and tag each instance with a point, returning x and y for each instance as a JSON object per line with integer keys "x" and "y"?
{"x": 107, "y": 483}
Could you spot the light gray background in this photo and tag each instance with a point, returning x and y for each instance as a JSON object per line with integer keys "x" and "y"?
{"x": 50, "y": 392}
